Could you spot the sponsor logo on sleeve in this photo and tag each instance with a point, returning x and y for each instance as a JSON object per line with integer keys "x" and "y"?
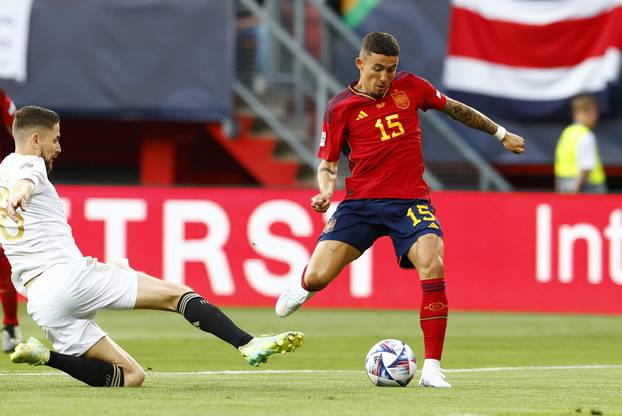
{"x": 323, "y": 139}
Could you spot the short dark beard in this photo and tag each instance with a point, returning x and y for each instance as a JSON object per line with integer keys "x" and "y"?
{"x": 376, "y": 96}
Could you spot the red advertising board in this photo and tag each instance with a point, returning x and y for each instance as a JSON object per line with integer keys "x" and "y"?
{"x": 242, "y": 247}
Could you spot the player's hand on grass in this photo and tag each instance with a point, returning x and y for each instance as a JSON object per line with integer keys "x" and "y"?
{"x": 321, "y": 202}
{"x": 514, "y": 143}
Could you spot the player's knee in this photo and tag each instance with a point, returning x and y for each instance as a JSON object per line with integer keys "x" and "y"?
{"x": 179, "y": 291}
{"x": 316, "y": 280}
{"x": 172, "y": 294}
{"x": 134, "y": 377}
{"x": 432, "y": 267}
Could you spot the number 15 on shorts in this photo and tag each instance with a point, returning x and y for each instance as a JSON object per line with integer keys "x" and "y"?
{"x": 420, "y": 213}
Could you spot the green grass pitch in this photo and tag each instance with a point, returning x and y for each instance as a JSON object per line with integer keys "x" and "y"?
{"x": 186, "y": 369}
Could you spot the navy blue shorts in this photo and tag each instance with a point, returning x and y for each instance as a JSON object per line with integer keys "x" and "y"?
{"x": 359, "y": 222}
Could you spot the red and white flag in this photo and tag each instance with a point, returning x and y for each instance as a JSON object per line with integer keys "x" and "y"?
{"x": 538, "y": 52}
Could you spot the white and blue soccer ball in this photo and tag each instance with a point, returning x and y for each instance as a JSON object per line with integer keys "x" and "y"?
{"x": 390, "y": 363}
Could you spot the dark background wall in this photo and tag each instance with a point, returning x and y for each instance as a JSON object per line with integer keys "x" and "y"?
{"x": 130, "y": 59}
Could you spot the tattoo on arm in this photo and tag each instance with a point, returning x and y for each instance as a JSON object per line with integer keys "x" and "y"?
{"x": 332, "y": 172}
{"x": 469, "y": 116}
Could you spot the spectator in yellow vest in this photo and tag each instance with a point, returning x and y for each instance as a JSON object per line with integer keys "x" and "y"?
{"x": 577, "y": 161}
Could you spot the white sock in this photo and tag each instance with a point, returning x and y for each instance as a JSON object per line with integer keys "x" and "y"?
{"x": 431, "y": 364}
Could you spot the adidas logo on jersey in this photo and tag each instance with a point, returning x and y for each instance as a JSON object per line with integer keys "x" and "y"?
{"x": 362, "y": 115}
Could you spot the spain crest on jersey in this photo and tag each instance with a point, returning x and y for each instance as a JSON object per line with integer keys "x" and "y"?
{"x": 401, "y": 99}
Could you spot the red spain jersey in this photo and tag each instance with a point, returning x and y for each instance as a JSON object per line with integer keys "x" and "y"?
{"x": 381, "y": 138}
{"x": 7, "y": 110}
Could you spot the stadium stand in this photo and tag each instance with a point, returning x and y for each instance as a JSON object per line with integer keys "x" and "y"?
{"x": 181, "y": 118}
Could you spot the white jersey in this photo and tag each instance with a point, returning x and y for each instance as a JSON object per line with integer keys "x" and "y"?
{"x": 41, "y": 238}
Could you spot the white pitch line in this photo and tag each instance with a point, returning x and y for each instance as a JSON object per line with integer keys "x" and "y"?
{"x": 226, "y": 372}
{"x": 245, "y": 372}
{"x": 528, "y": 368}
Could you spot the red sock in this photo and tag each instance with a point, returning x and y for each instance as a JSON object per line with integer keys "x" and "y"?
{"x": 433, "y": 316}
{"x": 8, "y": 298}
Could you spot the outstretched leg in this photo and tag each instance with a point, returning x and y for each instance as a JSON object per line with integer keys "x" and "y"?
{"x": 327, "y": 261}
{"x": 162, "y": 295}
{"x": 91, "y": 356}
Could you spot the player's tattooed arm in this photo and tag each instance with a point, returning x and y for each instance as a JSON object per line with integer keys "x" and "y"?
{"x": 327, "y": 175}
{"x": 327, "y": 182}
{"x": 469, "y": 116}
{"x": 473, "y": 118}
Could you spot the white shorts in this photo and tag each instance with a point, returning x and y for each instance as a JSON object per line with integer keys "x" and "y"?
{"x": 64, "y": 299}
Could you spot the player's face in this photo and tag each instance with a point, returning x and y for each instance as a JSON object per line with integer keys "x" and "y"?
{"x": 49, "y": 145}
{"x": 377, "y": 72}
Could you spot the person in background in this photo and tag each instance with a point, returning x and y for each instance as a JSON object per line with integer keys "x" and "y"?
{"x": 578, "y": 167}
{"x": 251, "y": 48}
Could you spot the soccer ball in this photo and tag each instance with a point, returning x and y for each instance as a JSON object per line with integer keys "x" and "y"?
{"x": 390, "y": 363}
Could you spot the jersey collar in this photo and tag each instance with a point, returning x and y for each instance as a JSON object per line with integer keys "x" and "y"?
{"x": 362, "y": 94}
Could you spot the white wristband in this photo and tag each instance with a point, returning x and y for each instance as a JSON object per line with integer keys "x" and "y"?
{"x": 500, "y": 133}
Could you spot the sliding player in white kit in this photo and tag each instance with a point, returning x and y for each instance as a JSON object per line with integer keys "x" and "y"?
{"x": 65, "y": 289}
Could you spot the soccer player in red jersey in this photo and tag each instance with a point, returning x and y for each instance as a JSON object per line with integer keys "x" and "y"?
{"x": 11, "y": 335}
{"x": 375, "y": 123}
